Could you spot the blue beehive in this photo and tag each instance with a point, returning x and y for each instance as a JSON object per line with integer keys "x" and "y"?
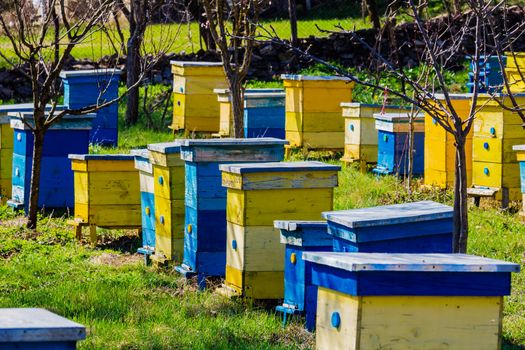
{"x": 490, "y": 74}
{"x": 393, "y": 143}
{"x": 299, "y": 237}
{"x": 26, "y": 329}
{"x": 264, "y": 113}
{"x": 205, "y": 198}
{"x": 409, "y": 301}
{"x": 91, "y": 87}
{"x": 69, "y": 135}
{"x": 147, "y": 200}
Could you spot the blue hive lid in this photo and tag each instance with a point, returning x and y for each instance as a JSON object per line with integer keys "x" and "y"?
{"x": 37, "y": 325}
{"x": 101, "y": 157}
{"x": 245, "y": 168}
{"x": 166, "y": 147}
{"x": 90, "y": 72}
{"x": 390, "y": 214}
{"x": 365, "y": 262}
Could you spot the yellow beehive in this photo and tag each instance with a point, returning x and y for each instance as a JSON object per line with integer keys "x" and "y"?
{"x": 107, "y": 192}
{"x": 440, "y": 152}
{"x": 496, "y": 130}
{"x": 360, "y": 130}
{"x": 168, "y": 174}
{"x": 195, "y": 105}
{"x": 225, "y": 113}
{"x": 313, "y": 111}
{"x": 6, "y": 158}
{"x": 515, "y": 71}
{"x": 257, "y": 195}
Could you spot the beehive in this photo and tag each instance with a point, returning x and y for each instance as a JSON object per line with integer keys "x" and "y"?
{"x": 515, "y": 71}
{"x": 147, "y": 200}
{"x": 299, "y": 237}
{"x": 29, "y": 328}
{"x": 409, "y": 301}
{"x": 195, "y": 105}
{"x": 257, "y": 195}
{"x": 520, "y": 150}
{"x": 440, "y": 151}
{"x": 264, "y": 113}
{"x": 6, "y": 146}
{"x": 360, "y": 130}
{"x": 107, "y": 192}
{"x": 490, "y": 74}
{"x": 313, "y": 112}
{"x": 91, "y": 87}
{"x": 69, "y": 135}
{"x": 225, "y": 113}
{"x": 205, "y": 199}
{"x": 393, "y": 143}
{"x": 496, "y": 130}
{"x": 168, "y": 187}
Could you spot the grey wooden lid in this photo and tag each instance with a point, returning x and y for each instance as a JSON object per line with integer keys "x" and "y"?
{"x": 244, "y": 168}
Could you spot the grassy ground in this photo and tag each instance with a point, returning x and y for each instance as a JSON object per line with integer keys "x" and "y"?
{"x": 127, "y": 305}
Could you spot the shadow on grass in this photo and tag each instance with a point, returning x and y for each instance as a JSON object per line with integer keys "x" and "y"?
{"x": 509, "y": 345}
{"x": 123, "y": 244}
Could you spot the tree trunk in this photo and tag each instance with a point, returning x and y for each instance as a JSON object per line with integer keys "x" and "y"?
{"x": 460, "y": 231}
{"x": 237, "y": 98}
{"x": 293, "y": 21}
{"x": 371, "y": 7}
{"x": 38, "y": 146}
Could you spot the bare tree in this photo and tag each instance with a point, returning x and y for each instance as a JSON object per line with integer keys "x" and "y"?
{"x": 233, "y": 25}
{"x": 45, "y": 47}
{"x": 485, "y": 31}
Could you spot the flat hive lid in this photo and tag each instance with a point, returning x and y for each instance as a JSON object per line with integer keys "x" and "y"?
{"x": 313, "y": 77}
{"x": 233, "y": 142}
{"x": 390, "y": 214}
{"x": 290, "y": 225}
{"x": 25, "y": 107}
{"x": 518, "y": 148}
{"x": 364, "y": 262}
{"x": 72, "y": 122}
{"x": 143, "y": 153}
{"x": 90, "y": 72}
{"x": 441, "y": 96}
{"x": 101, "y": 157}
{"x": 399, "y": 117}
{"x": 166, "y": 147}
{"x": 195, "y": 64}
{"x": 37, "y": 325}
{"x": 246, "y": 168}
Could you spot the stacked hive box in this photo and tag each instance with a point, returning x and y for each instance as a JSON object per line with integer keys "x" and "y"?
{"x": 440, "y": 151}
{"x": 313, "y": 112}
{"x": 360, "y": 131}
{"x": 147, "y": 201}
{"x": 409, "y": 301}
{"x": 490, "y": 75}
{"x": 28, "y": 329}
{"x": 393, "y": 143}
{"x": 264, "y": 113}
{"x": 70, "y": 135}
{"x": 195, "y": 104}
{"x": 520, "y": 149}
{"x": 107, "y": 192}
{"x": 257, "y": 195}
{"x": 205, "y": 199}
{"x": 95, "y": 87}
{"x": 515, "y": 71}
{"x": 225, "y": 113}
{"x": 168, "y": 177}
{"x": 495, "y": 170}
{"x": 300, "y": 237}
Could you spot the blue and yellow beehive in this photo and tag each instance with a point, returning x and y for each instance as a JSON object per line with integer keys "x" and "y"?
{"x": 313, "y": 111}
{"x": 299, "y": 237}
{"x": 515, "y": 70}
{"x": 409, "y": 301}
{"x": 360, "y": 130}
{"x": 264, "y": 113}
{"x": 440, "y": 150}
{"x": 257, "y": 195}
{"x": 69, "y": 135}
{"x": 28, "y": 329}
{"x": 168, "y": 177}
{"x": 393, "y": 143}
{"x": 94, "y": 87}
{"x": 107, "y": 192}
{"x": 147, "y": 200}
{"x": 496, "y": 131}
{"x": 195, "y": 105}
{"x": 205, "y": 200}
{"x": 520, "y": 150}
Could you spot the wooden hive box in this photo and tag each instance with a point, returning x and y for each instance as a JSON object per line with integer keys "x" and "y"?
{"x": 107, "y": 192}
{"x": 299, "y": 237}
{"x": 205, "y": 199}
{"x": 520, "y": 150}
{"x": 490, "y": 75}
{"x": 515, "y": 71}
{"x": 29, "y": 328}
{"x": 440, "y": 152}
{"x": 313, "y": 112}
{"x": 195, "y": 105}
{"x": 264, "y": 113}
{"x": 360, "y": 130}
{"x": 392, "y": 149}
{"x": 225, "y": 113}
{"x": 409, "y": 301}
{"x": 84, "y": 88}
{"x": 496, "y": 131}
{"x": 147, "y": 200}
{"x": 70, "y": 135}
{"x": 7, "y": 144}
{"x": 258, "y": 194}
{"x": 168, "y": 187}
